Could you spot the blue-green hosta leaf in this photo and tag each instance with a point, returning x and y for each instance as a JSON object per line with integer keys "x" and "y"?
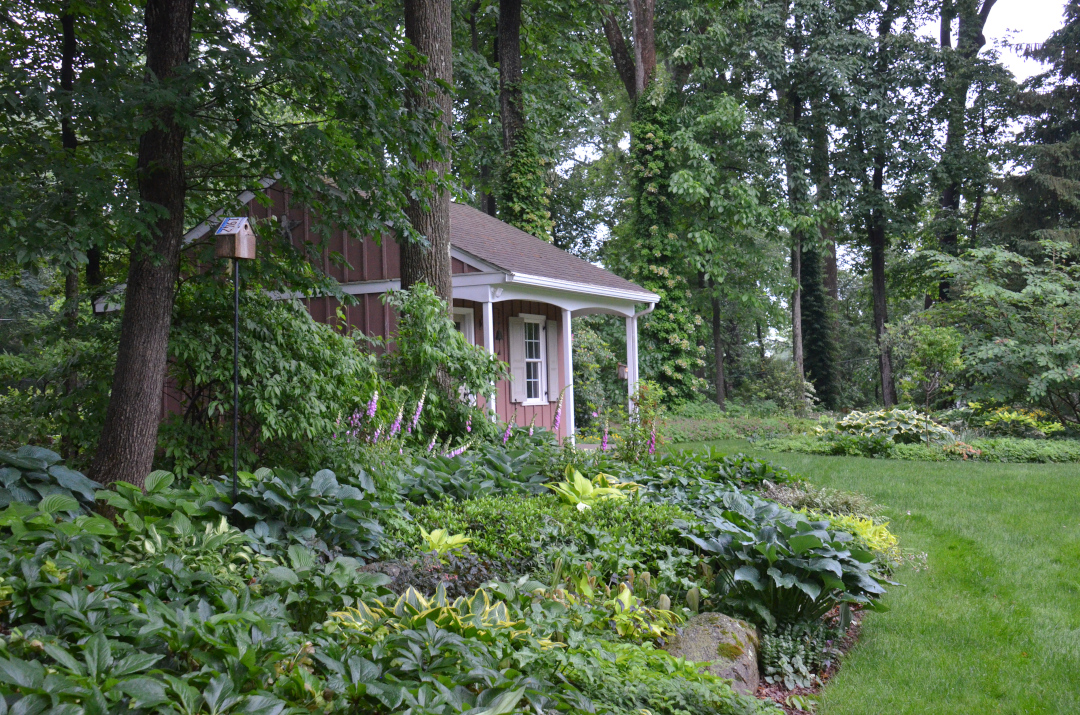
{"x": 75, "y": 481}
{"x": 861, "y": 555}
{"x": 158, "y": 480}
{"x": 57, "y": 503}
{"x": 324, "y": 482}
{"x": 750, "y": 575}
{"x": 801, "y": 543}
{"x": 783, "y": 580}
{"x": 810, "y": 589}
{"x": 282, "y": 574}
{"x": 504, "y": 704}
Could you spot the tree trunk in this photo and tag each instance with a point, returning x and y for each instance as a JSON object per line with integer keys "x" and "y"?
{"x": 796, "y": 308}
{"x": 760, "y": 341}
{"x": 126, "y": 449}
{"x": 70, "y": 143}
{"x": 427, "y": 27}
{"x": 511, "y": 97}
{"x": 877, "y": 278}
{"x": 876, "y": 230}
{"x": 718, "y": 350}
{"x": 958, "y": 77}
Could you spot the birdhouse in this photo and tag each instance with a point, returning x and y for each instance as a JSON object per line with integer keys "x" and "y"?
{"x": 620, "y": 371}
{"x": 235, "y": 239}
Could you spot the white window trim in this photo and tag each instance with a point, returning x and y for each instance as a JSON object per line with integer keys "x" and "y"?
{"x": 540, "y": 320}
{"x": 468, "y": 319}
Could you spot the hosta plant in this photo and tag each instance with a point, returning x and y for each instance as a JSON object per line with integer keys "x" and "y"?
{"x": 899, "y": 426}
{"x": 442, "y": 542}
{"x": 583, "y": 493}
{"x": 775, "y": 565}
{"x": 30, "y": 473}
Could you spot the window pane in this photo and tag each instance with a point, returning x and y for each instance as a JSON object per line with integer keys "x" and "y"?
{"x": 532, "y": 341}
{"x": 532, "y": 380}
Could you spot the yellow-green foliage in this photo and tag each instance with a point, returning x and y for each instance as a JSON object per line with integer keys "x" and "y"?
{"x": 874, "y": 536}
{"x": 579, "y": 491}
{"x": 476, "y": 617}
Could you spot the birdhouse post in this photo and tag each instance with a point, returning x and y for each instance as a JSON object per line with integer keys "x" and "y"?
{"x": 235, "y": 240}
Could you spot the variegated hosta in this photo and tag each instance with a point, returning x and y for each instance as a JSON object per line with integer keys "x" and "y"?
{"x": 577, "y": 490}
{"x": 476, "y": 617}
{"x": 900, "y": 426}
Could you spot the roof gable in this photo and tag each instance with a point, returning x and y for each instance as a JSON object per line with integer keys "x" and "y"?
{"x": 511, "y": 249}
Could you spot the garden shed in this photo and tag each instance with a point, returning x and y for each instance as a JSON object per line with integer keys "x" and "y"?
{"x": 514, "y": 294}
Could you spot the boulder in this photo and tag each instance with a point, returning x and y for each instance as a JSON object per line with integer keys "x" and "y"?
{"x": 730, "y": 645}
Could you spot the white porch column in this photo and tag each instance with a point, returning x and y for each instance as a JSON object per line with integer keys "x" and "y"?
{"x": 489, "y": 345}
{"x": 568, "y": 367}
{"x": 631, "y": 358}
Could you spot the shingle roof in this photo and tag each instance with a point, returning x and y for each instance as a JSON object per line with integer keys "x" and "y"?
{"x": 515, "y": 251}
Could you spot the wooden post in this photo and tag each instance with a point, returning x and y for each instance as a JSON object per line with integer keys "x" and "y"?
{"x": 568, "y": 379}
{"x": 489, "y": 345}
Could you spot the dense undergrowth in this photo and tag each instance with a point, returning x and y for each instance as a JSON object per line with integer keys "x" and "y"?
{"x": 516, "y": 578}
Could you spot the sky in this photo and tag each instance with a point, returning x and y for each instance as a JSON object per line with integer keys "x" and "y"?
{"x": 1022, "y": 22}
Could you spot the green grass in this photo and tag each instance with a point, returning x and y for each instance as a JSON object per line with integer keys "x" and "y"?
{"x": 993, "y": 625}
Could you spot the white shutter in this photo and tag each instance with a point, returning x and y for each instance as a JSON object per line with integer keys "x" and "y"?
{"x": 517, "y": 359}
{"x": 552, "y": 360}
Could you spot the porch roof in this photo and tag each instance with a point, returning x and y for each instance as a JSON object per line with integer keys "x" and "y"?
{"x": 501, "y": 247}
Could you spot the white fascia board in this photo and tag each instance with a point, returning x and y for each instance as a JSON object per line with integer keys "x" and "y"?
{"x": 460, "y": 280}
{"x": 642, "y": 296}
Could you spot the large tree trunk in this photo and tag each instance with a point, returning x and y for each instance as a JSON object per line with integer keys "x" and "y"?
{"x": 511, "y": 97}
{"x": 70, "y": 143}
{"x": 718, "y": 349}
{"x": 796, "y": 308}
{"x": 876, "y": 231}
{"x": 126, "y": 449}
{"x": 958, "y": 76}
{"x": 427, "y": 27}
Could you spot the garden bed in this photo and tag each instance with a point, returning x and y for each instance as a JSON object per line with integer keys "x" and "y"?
{"x": 527, "y": 583}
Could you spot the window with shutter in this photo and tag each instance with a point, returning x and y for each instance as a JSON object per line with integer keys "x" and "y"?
{"x": 516, "y": 345}
{"x": 528, "y": 360}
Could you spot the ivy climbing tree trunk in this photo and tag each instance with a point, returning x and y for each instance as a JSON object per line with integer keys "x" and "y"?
{"x": 958, "y": 77}
{"x": 129, "y": 436}
{"x": 427, "y": 27}
{"x": 718, "y": 350}
{"x": 523, "y": 200}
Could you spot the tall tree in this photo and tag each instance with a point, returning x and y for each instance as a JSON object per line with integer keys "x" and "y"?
{"x": 128, "y": 439}
{"x": 426, "y": 258}
{"x": 959, "y": 54}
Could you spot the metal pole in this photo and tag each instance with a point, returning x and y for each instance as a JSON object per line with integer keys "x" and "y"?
{"x": 236, "y": 376}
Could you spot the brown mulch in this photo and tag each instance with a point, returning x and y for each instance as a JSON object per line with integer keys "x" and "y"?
{"x": 779, "y": 694}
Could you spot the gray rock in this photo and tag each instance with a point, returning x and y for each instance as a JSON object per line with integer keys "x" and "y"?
{"x": 400, "y": 573}
{"x": 730, "y": 645}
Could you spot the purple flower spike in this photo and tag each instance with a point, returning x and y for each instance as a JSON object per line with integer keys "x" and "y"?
{"x": 468, "y": 424}
{"x": 373, "y": 404}
{"x": 375, "y": 437}
{"x": 431, "y": 444}
{"x": 396, "y": 427}
{"x": 652, "y": 442}
{"x": 419, "y": 408}
{"x": 603, "y": 442}
{"x": 506, "y": 434}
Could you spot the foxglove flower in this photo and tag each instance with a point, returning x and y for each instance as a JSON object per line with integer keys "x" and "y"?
{"x": 419, "y": 408}
{"x": 431, "y": 444}
{"x": 652, "y": 442}
{"x": 558, "y": 412}
{"x": 603, "y": 442}
{"x": 396, "y": 427}
{"x": 468, "y": 424}
{"x": 373, "y": 404}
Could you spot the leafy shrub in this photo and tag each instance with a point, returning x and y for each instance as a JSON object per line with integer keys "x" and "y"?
{"x": 474, "y": 473}
{"x": 632, "y": 679}
{"x": 705, "y": 422}
{"x": 1003, "y": 449}
{"x": 430, "y": 356}
{"x": 775, "y": 565}
{"x": 297, "y": 375}
{"x": 316, "y": 512}
{"x": 641, "y": 430}
{"x": 30, "y": 474}
{"x": 1003, "y": 422}
{"x": 796, "y": 654}
{"x": 779, "y": 383}
{"x": 899, "y": 426}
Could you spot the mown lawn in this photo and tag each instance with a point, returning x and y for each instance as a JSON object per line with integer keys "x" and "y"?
{"x": 993, "y": 625}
